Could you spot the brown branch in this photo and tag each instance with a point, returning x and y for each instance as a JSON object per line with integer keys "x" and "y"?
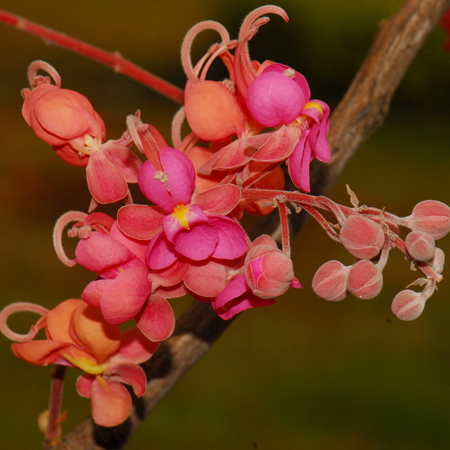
{"x": 361, "y": 111}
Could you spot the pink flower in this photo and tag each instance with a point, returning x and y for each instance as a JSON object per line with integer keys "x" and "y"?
{"x": 184, "y": 226}
{"x": 124, "y": 291}
{"x": 78, "y": 336}
{"x": 280, "y": 97}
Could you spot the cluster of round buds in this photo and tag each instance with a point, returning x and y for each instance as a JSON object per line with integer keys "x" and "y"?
{"x": 369, "y": 235}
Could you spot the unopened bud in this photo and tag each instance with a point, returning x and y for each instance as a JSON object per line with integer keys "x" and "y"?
{"x": 420, "y": 246}
{"x": 330, "y": 281}
{"x": 430, "y": 216}
{"x": 362, "y": 237}
{"x": 365, "y": 280}
{"x": 408, "y": 305}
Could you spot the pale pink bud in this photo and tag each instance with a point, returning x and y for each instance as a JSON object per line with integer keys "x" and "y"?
{"x": 438, "y": 261}
{"x": 420, "y": 246}
{"x": 408, "y": 305}
{"x": 362, "y": 237}
{"x": 365, "y": 280}
{"x": 430, "y": 216}
{"x": 330, "y": 281}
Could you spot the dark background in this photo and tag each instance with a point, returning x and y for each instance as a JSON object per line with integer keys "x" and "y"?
{"x": 303, "y": 373}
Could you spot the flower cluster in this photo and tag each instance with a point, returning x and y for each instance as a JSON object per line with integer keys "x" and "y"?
{"x": 188, "y": 239}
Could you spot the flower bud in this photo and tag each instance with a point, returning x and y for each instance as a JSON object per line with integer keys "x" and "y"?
{"x": 365, "y": 280}
{"x": 213, "y": 112}
{"x": 408, "y": 305}
{"x": 268, "y": 271}
{"x": 362, "y": 237}
{"x": 420, "y": 246}
{"x": 430, "y": 216}
{"x": 330, "y": 281}
{"x": 62, "y": 118}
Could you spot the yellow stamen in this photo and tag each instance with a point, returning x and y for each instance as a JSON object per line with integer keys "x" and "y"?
{"x": 180, "y": 212}
{"x": 314, "y": 105}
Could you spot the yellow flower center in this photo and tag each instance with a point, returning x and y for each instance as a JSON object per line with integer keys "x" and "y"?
{"x": 314, "y": 105}
{"x": 86, "y": 365}
{"x": 180, "y": 212}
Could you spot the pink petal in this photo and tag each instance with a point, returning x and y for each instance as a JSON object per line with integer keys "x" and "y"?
{"x": 84, "y": 384}
{"x": 236, "y": 297}
{"x": 206, "y": 280}
{"x": 156, "y": 319}
{"x": 220, "y": 200}
{"x": 181, "y": 175}
{"x": 128, "y": 373}
{"x": 111, "y": 402}
{"x": 104, "y": 255}
{"x": 119, "y": 154}
{"x": 106, "y": 183}
{"x": 155, "y": 189}
{"x": 140, "y": 221}
{"x": 94, "y": 291}
{"x": 175, "y": 291}
{"x": 135, "y": 348}
{"x": 138, "y": 247}
{"x": 273, "y": 99}
{"x": 233, "y": 241}
{"x": 197, "y": 243}
{"x": 124, "y": 297}
{"x": 234, "y": 155}
{"x": 170, "y": 275}
{"x": 279, "y": 146}
{"x": 160, "y": 253}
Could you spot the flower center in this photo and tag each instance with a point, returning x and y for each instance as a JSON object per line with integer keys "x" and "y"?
{"x": 180, "y": 213}
{"x": 86, "y": 365}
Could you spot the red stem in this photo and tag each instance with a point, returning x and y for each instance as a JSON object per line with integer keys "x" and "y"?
{"x": 284, "y": 211}
{"x": 114, "y": 60}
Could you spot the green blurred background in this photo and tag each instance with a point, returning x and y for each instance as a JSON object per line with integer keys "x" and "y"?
{"x": 304, "y": 373}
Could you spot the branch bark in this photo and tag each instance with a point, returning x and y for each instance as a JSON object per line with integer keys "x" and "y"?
{"x": 361, "y": 111}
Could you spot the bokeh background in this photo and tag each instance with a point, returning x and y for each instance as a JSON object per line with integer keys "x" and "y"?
{"x": 304, "y": 373}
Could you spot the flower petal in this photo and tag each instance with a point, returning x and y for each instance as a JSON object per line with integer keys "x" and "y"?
{"x": 106, "y": 183}
{"x": 198, "y": 243}
{"x": 232, "y": 242}
{"x": 156, "y": 319}
{"x": 140, "y": 221}
{"x": 92, "y": 333}
{"x": 124, "y": 297}
{"x": 111, "y": 402}
{"x": 136, "y": 347}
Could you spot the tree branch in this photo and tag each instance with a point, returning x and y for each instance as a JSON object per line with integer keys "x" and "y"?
{"x": 361, "y": 111}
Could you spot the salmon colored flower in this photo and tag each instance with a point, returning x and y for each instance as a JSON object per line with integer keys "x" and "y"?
{"x": 78, "y": 336}
{"x": 67, "y": 121}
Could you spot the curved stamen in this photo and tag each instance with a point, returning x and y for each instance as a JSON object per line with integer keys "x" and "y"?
{"x": 36, "y": 65}
{"x": 177, "y": 123}
{"x": 244, "y": 71}
{"x": 61, "y": 223}
{"x": 186, "y": 60}
{"x": 20, "y": 307}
